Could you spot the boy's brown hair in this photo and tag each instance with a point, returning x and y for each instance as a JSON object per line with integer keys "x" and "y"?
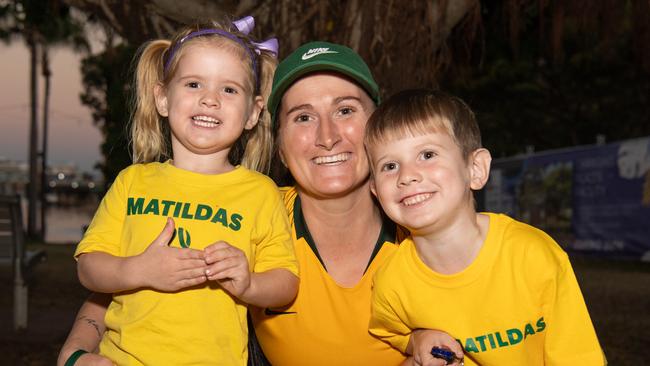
{"x": 420, "y": 111}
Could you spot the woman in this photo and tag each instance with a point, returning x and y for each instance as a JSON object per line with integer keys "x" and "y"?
{"x": 322, "y": 96}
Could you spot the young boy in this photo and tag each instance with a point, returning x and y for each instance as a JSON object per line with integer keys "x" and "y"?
{"x": 505, "y": 290}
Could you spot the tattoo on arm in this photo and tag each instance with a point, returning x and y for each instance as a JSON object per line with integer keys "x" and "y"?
{"x": 91, "y": 322}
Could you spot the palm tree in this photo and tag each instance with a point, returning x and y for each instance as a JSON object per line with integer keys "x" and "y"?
{"x": 41, "y": 23}
{"x": 20, "y": 18}
{"x": 61, "y": 29}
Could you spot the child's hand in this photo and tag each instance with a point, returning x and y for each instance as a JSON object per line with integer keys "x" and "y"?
{"x": 166, "y": 268}
{"x": 228, "y": 265}
{"x": 423, "y": 340}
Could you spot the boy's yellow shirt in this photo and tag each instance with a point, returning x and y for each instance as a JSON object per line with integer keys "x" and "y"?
{"x": 518, "y": 303}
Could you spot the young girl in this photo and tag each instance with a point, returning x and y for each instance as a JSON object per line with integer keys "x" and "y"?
{"x": 225, "y": 241}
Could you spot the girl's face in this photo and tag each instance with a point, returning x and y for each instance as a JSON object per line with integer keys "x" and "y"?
{"x": 207, "y": 101}
{"x": 322, "y": 122}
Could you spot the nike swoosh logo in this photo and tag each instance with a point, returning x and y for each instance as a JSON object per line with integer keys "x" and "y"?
{"x": 308, "y": 56}
{"x": 270, "y": 312}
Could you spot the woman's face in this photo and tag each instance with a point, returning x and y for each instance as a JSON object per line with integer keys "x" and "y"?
{"x": 322, "y": 122}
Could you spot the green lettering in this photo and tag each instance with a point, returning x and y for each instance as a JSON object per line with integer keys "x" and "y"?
{"x": 481, "y": 342}
{"x": 203, "y": 212}
{"x": 177, "y": 208}
{"x": 470, "y": 346}
{"x": 184, "y": 238}
{"x": 236, "y": 222}
{"x": 514, "y": 336}
{"x": 186, "y": 209}
{"x": 134, "y": 208}
{"x": 220, "y": 216}
{"x": 166, "y": 205}
{"x": 491, "y": 339}
{"x": 541, "y": 325}
{"x": 152, "y": 207}
{"x": 528, "y": 330}
{"x": 500, "y": 341}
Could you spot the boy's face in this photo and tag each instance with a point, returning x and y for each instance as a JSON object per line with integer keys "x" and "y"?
{"x": 423, "y": 182}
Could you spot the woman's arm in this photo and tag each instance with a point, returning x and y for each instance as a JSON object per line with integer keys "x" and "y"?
{"x": 87, "y": 329}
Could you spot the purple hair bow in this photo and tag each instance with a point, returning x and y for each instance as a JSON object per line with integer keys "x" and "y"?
{"x": 245, "y": 25}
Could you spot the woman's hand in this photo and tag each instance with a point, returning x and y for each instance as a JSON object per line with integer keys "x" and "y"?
{"x": 423, "y": 340}
{"x": 228, "y": 266}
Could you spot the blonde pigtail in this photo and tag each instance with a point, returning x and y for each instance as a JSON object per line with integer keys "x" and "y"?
{"x": 148, "y": 135}
{"x": 259, "y": 148}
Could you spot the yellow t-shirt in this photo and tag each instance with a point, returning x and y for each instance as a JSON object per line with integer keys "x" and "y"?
{"x": 518, "y": 303}
{"x": 202, "y": 325}
{"x": 327, "y": 324}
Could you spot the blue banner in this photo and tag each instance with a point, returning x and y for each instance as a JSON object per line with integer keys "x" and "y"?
{"x": 593, "y": 199}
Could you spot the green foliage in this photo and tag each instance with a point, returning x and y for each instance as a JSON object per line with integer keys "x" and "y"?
{"x": 531, "y": 97}
{"x": 534, "y": 78}
{"x": 6, "y": 21}
{"x": 106, "y": 79}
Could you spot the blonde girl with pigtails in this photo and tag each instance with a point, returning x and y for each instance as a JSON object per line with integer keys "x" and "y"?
{"x": 201, "y": 141}
{"x": 150, "y": 137}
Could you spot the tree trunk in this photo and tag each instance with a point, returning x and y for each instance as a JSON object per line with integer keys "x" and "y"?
{"x": 47, "y": 73}
{"x": 32, "y": 195}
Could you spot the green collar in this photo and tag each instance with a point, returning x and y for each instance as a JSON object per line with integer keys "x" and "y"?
{"x": 388, "y": 232}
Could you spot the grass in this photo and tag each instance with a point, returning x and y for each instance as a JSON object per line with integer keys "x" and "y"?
{"x": 54, "y": 297}
{"x": 617, "y": 294}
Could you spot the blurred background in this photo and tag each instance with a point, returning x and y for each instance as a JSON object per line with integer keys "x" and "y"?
{"x": 561, "y": 90}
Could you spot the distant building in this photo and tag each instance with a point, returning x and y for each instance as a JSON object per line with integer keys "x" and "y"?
{"x": 65, "y": 184}
{"x": 13, "y": 176}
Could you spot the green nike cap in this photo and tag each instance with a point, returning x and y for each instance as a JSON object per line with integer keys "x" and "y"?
{"x": 320, "y": 56}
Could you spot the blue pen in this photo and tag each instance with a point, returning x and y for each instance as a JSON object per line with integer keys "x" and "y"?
{"x": 446, "y": 355}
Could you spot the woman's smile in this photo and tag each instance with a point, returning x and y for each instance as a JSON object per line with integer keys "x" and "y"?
{"x": 332, "y": 159}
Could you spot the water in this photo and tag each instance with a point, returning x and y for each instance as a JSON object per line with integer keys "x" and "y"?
{"x": 65, "y": 224}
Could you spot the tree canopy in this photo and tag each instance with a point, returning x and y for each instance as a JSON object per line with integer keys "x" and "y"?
{"x": 542, "y": 73}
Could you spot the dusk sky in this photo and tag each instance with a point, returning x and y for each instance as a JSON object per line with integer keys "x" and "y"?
{"x": 73, "y": 138}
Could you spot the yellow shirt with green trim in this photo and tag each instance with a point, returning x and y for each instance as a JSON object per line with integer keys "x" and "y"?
{"x": 327, "y": 324}
{"x": 518, "y": 303}
{"x": 202, "y": 325}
